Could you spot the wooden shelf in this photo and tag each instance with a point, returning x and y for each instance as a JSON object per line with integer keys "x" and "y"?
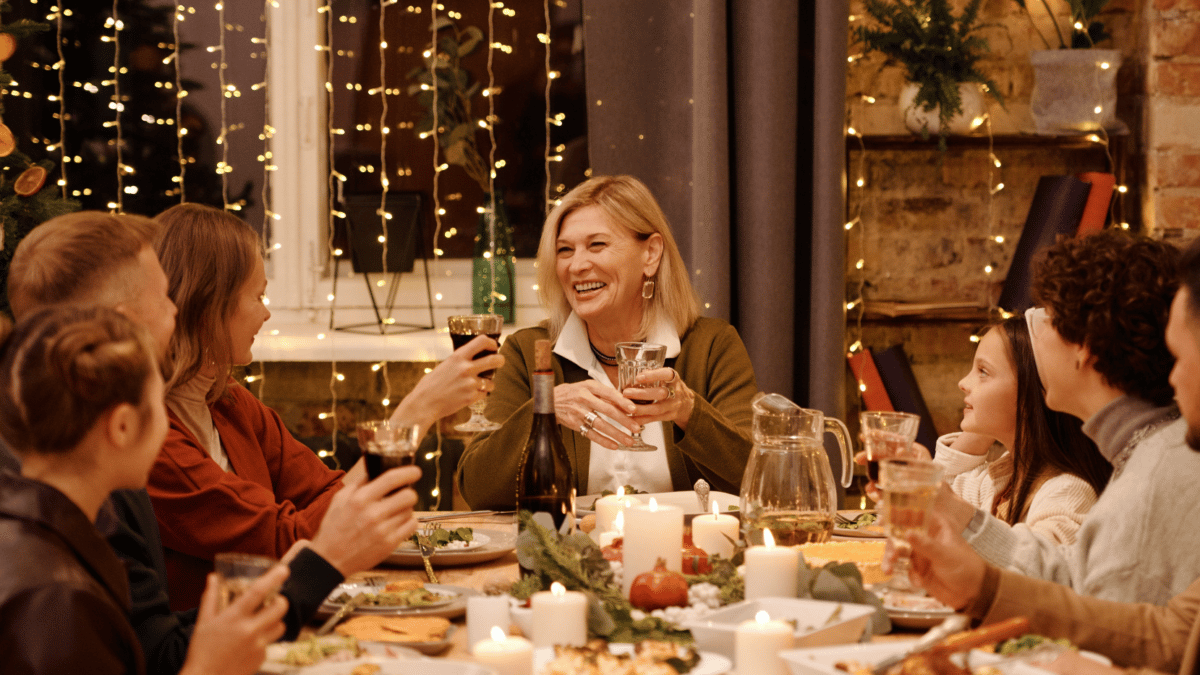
{"x": 913, "y": 142}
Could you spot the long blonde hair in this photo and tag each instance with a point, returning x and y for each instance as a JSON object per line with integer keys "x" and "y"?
{"x": 628, "y": 204}
{"x": 208, "y": 254}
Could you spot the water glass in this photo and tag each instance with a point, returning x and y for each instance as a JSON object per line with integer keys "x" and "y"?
{"x": 886, "y": 435}
{"x": 236, "y": 572}
{"x": 909, "y": 489}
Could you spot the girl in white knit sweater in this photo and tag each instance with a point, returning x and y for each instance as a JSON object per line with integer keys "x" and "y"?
{"x": 1048, "y": 473}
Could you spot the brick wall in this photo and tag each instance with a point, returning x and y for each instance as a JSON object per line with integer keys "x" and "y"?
{"x": 929, "y": 220}
{"x": 1172, "y": 181}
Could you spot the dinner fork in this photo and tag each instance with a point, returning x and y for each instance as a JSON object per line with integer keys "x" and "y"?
{"x": 841, "y": 519}
{"x": 426, "y": 550}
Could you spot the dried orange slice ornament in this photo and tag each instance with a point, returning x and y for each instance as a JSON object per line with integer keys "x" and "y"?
{"x": 7, "y": 142}
{"x": 8, "y": 45}
{"x": 30, "y": 181}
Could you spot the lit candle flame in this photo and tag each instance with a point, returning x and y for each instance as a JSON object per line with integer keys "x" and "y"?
{"x": 558, "y": 590}
{"x": 714, "y": 509}
{"x": 768, "y": 540}
{"x": 653, "y": 504}
{"x": 498, "y": 634}
{"x": 762, "y": 617}
{"x": 619, "y": 522}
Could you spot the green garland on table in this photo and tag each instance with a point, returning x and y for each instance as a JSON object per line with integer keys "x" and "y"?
{"x": 576, "y": 562}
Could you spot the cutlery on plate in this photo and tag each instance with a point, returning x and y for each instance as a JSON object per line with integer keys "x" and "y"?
{"x": 337, "y": 617}
{"x": 841, "y": 519}
{"x": 426, "y": 550}
{"x": 951, "y": 625}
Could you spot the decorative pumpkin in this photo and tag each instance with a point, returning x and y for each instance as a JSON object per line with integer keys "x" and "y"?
{"x": 658, "y": 589}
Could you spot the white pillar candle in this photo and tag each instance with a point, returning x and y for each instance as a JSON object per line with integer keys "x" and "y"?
{"x": 772, "y": 571}
{"x": 483, "y": 613}
{"x": 714, "y": 534}
{"x": 559, "y": 617}
{"x": 757, "y": 643}
{"x": 607, "y": 538}
{"x": 608, "y": 508}
{"x": 651, "y": 532}
{"x": 506, "y": 654}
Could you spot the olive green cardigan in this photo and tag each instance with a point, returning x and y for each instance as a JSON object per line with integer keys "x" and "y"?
{"x": 713, "y": 363}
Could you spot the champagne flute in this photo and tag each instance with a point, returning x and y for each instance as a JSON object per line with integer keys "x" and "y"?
{"x": 463, "y": 329}
{"x": 909, "y": 489}
{"x": 632, "y": 359}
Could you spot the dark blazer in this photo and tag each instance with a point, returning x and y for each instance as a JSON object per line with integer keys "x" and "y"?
{"x": 63, "y": 593}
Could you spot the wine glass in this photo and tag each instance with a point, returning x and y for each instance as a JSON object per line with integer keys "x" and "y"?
{"x": 463, "y": 329}
{"x": 632, "y": 359}
{"x": 886, "y": 435}
{"x": 909, "y": 489}
{"x": 386, "y": 445}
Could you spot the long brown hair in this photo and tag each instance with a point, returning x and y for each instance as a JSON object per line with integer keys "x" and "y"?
{"x": 63, "y": 367}
{"x": 208, "y": 255}
{"x": 1047, "y": 443}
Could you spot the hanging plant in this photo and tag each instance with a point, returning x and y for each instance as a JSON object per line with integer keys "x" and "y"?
{"x": 1085, "y": 32}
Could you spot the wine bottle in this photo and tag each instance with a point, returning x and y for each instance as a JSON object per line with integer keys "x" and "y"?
{"x": 546, "y": 483}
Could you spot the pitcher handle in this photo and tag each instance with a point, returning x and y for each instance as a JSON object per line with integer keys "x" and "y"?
{"x": 838, "y": 428}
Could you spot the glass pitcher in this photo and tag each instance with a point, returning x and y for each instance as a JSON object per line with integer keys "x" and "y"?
{"x": 788, "y": 486}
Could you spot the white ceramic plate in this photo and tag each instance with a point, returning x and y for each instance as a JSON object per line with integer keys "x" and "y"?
{"x": 822, "y": 660}
{"x": 875, "y": 533}
{"x": 912, "y": 611}
{"x": 456, "y": 606}
{"x": 710, "y": 664}
{"x": 684, "y": 500}
{"x": 499, "y": 544}
{"x": 388, "y": 666}
{"x": 478, "y": 539}
{"x": 277, "y": 652}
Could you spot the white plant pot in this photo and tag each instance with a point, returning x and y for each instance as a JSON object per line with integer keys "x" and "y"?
{"x": 1075, "y": 91}
{"x": 919, "y": 120}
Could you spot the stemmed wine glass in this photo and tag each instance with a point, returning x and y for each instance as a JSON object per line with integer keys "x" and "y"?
{"x": 463, "y": 329}
{"x": 909, "y": 489}
{"x": 632, "y": 359}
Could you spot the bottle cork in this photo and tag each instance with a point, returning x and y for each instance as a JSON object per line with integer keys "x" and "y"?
{"x": 541, "y": 355}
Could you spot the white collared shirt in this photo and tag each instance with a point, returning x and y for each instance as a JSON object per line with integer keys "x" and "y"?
{"x": 610, "y": 469}
{"x": 187, "y": 402}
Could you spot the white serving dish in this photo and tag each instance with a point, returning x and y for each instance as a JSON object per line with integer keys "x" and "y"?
{"x": 822, "y": 660}
{"x": 685, "y": 500}
{"x": 715, "y": 632}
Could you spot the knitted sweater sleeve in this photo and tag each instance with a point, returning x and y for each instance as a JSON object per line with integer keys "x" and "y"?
{"x": 1059, "y": 506}
{"x": 967, "y": 474}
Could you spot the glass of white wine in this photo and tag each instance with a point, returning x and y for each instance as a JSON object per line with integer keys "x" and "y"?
{"x": 909, "y": 489}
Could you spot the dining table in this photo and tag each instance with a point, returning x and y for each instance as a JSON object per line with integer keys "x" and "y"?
{"x": 493, "y": 576}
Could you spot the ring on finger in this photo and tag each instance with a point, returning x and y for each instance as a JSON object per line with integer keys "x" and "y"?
{"x": 671, "y": 392}
{"x": 674, "y": 376}
{"x": 584, "y": 429}
{"x": 590, "y": 418}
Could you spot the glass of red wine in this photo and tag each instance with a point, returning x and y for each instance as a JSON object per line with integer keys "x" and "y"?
{"x": 386, "y": 445}
{"x": 887, "y": 435}
{"x": 463, "y": 329}
{"x": 632, "y": 359}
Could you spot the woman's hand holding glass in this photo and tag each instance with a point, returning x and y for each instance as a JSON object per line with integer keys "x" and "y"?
{"x": 670, "y": 399}
{"x": 234, "y": 639}
{"x": 453, "y": 385}
{"x": 583, "y": 406}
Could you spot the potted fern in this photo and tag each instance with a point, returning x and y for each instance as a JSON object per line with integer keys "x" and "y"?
{"x": 1075, "y": 88}
{"x": 941, "y": 53}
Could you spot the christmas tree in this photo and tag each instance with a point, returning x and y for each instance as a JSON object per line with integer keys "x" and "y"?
{"x": 27, "y": 195}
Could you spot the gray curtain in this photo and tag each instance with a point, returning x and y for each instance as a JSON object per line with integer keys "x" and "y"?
{"x": 714, "y": 105}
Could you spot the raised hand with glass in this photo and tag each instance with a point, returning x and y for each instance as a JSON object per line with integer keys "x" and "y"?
{"x": 463, "y": 329}
{"x": 909, "y": 489}
{"x": 633, "y": 358}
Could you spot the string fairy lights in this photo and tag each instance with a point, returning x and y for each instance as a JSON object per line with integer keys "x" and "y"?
{"x": 117, "y": 107}
{"x": 61, "y": 67}
{"x": 180, "y": 130}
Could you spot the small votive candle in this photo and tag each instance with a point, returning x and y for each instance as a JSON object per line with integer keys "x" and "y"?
{"x": 483, "y": 613}
{"x": 772, "y": 571}
{"x": 757, "y": 643}
{"x": 714, "y": 534}
{"x": 506, "y": 654}
{"x": 559, "y": 617}
{"x": 609, "y": 508}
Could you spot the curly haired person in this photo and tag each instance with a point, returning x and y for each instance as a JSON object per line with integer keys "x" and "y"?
{"x": 1099, "y": 341}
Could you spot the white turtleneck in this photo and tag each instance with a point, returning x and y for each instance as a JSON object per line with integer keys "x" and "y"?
{"x": 187, "y": 402}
